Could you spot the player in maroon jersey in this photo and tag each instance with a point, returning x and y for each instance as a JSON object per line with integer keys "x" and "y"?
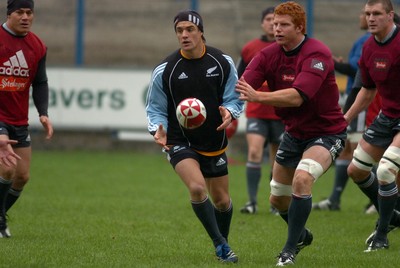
{"x": 300, "y": 74}
{"x": 380, "y": 68}
{"x": 22, "y": 65}
{"x": 263, "y": 126}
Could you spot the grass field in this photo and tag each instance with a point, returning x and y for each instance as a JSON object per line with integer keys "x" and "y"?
{"x": 121, "y": 209}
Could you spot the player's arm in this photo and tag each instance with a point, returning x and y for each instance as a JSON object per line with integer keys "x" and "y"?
{"x": 226, "y": 118}
{"x": 160, "y": 137}
{"x": 345, "y": 68}
{"x": 157, "y": 109}
{"x": 289, "y": 97}
{"x": 230, "y": 98}
{"x": 357, "y": 85}
{"x": 241, "y": 66}
{"x": 40, "y": 95}
{"x": 362, "y": 101}
{"x": 366, "y": 94}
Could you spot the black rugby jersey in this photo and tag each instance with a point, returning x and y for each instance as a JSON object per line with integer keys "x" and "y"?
{"x": 211, "y": 79}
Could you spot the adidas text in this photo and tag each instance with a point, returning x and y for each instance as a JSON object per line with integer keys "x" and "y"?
{"x": 17, "y": 71}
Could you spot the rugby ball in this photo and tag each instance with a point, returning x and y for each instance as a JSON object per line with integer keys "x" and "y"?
{"x": 191, "y": 113}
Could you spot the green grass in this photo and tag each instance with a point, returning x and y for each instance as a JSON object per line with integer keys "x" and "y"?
{"x": 121, "y": 209}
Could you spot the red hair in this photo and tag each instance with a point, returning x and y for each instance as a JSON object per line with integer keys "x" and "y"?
{"x": 295, "y": 11}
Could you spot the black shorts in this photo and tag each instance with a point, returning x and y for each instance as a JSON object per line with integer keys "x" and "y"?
{"x": 210, "y": 166}
{"x": 291, "y": 149}
{"x": 382, "y": 131}
{"x": 271, "y": 130}
{"x": 19, "y": 133}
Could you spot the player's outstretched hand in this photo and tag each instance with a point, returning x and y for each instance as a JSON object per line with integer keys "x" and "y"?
{"x": 226, "y": 118}
{"x": 161, "y": 137}
{"x": 7, "y": 155}
{"x": 247, "y": 93}
{"x": 46, "y": 123}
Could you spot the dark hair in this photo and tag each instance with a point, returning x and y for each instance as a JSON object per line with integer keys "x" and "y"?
{"x": 396, "y": 18}
{"x": 265, "y": 12}
{"x": 387, "y": 4}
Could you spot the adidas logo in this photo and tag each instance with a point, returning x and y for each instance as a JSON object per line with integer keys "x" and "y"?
{"x": 210, "y": 71}
{"x": 220, "y": 162}
{"x": 183, "y": 76}
{"x": 16, "y": 66}
{"x": 319, "y": 66}
{"x": 319, "y": 141}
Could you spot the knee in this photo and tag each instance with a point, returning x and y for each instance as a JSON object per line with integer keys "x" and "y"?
{"x": 357, "y": 174}
{"x": 361, "y": 161}
{"x": 312, "y": 168}
{"x": 6, "y": 172}
{"x": 281, "y": 203}
{"x": 302, "y": 183}
{"x": 222, "y": 203}
{"x": 280, "y": 195}
{"x": 20, "y": 180}
{"x": 389, "y": 165}
{"x": 352, "y": 171}
{"x": 197, "y": 191}
{"x": 361, "y": 165}
{"x": 254, "y": 154}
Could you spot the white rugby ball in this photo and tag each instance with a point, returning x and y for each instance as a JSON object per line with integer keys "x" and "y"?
{"x": 191, "y": 113}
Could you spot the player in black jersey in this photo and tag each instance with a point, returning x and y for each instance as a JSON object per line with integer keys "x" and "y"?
{"x": 197, "y": 155}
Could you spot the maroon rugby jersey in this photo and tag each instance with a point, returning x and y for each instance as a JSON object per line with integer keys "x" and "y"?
{"x": 254, "y": 109}
{"x": 380, "y": 68}
{"x": 19, "y": 58}
{"x": 310, "y": 69}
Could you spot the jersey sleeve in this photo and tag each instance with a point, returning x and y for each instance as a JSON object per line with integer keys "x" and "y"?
{"x": 156, "y": 102}
{"x": 40, "y": 89}
{"x": 313, "y": 73}
{"x": 254, "y": 73}
{"x": 231, "y": 96}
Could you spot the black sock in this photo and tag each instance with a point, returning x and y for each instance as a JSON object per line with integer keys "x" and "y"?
{"x": 369, "y": 187}
{"x": 387, "y": 200}
{"x": 397, "y": 207}
{"x": 4, "y": 187}
{"x": 253, "y": 174}
{"x": 11, "y": 198}
{"x": 224, "y": 219}
{"x": 284, "y": 215}
{"x": 204, "y": 210}
{"x": 298, "y": 213}
{"x": 341, "y": 179}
